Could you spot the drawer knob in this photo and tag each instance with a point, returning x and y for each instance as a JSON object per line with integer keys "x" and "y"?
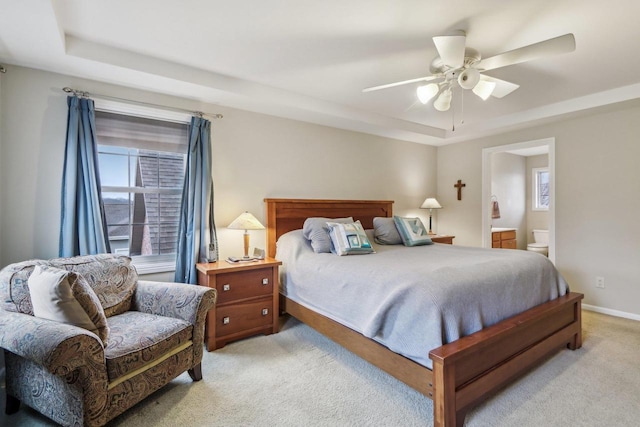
{"x": 226, "y": 287}
{"x": 265, "y": 311}
{"x": 265, "y": 281}
{"x": 226, "y": 320}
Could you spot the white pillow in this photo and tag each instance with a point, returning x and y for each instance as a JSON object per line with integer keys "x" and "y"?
{"x": 56, "y": 295}
{"x": 349, "y": 239}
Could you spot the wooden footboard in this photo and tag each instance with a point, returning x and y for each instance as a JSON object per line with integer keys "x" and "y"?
{"x": 466, "y": 371}
{"x": 470, "y": 369}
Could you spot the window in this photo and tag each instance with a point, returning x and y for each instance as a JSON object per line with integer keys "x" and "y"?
{"x": 540, "y": 189}
{"x": 142, "y": 164}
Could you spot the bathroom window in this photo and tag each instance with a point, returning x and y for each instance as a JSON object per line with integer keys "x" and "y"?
{"x": 540, "y": 189}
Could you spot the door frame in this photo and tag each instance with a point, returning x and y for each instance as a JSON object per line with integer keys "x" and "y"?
{"x": 487, "y": 154}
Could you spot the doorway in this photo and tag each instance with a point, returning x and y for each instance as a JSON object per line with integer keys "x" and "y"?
{"x": 529, "y": 148}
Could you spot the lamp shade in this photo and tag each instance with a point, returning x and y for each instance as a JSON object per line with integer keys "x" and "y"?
{"x": 469, "y": 78}
{"x": 426, "y": 92}
{"x": 431, "y": 203}
{"x": 443, "y": 102}
{"x": 246, "y": 221}
{"x": 484, "y": 89}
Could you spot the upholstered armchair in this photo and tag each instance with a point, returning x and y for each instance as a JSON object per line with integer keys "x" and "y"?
{"x": 141, "y": 335}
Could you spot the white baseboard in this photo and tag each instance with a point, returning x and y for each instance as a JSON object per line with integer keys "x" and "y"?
{"x": 610, "y": 312}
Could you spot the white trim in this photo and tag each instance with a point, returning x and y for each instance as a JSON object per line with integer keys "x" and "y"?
{"x": 486, "y": 188}
{"x": 611, "y": 312}
{"x": 154, "y": 263}
{"x": 110, "y": 106}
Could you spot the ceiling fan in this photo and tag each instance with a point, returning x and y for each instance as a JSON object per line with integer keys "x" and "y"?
{"x": 464, "y": 66}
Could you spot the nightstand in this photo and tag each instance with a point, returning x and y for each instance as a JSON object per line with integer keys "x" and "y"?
{"x": 442, "y": 238}
{"x": 247, "y": 301}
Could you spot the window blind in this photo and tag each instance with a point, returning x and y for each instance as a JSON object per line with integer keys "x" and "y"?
{"x": 141, "y": 133}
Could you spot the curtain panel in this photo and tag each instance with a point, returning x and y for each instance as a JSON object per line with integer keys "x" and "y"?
{"x": 196, "y": 227}
{"x": 83, "y": 229}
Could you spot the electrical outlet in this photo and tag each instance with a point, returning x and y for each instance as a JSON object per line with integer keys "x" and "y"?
{"x": 600, "y": 282}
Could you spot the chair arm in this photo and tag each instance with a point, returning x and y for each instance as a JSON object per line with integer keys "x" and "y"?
{"x": 178, "y": 300}
{"x": 58, "y": 347}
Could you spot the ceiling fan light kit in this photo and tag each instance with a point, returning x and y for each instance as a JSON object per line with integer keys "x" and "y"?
{"x": 464, "y": 66}
{"x": 469, "y": 78}
{"x": 426, "y": 92}
{"x": 443, "y": 102}
{"x": 484, "y": 89}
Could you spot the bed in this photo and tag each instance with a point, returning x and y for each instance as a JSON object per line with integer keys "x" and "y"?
{"x": 464, "y": 372}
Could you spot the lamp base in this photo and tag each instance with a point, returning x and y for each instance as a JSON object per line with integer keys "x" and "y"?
{"x": 430, "y": 232}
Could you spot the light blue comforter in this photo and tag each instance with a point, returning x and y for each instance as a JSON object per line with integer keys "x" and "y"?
{"x": 414, "y": 299}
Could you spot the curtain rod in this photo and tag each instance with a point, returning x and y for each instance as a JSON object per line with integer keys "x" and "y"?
{"x": 85, "y": 94}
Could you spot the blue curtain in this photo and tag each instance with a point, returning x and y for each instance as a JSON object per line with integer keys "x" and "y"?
{"x": 196, "y": 229}
{"x": 83, "y": 229}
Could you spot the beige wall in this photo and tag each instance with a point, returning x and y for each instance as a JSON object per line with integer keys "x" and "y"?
{"x": 255, "y": 156}
{"x": 538, "y": 220}
{"x": 597, "y": 200}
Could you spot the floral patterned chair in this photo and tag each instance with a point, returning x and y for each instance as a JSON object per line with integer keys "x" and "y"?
{"x": 143, "y": 335}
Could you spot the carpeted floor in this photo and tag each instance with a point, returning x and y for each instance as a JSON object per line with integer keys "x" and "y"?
{"x": 299, "y": 378}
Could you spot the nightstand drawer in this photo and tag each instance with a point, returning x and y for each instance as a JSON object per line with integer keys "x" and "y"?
{"x": 244, "y": 284}
{"x": 243, "y": 317}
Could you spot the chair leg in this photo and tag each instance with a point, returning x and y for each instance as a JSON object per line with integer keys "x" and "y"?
{"x": 13, "y": 405}
{"x": 196, "y": 372}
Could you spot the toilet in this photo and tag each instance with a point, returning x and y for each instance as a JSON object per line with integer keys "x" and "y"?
{"x": 541, "y": 245}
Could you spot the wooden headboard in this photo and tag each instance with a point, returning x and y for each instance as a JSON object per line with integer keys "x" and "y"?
{"x": 284, "y": 215}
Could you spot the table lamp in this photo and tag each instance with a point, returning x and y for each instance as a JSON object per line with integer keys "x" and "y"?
{"x": 431, "y": 204}
{"x": 246, "y": 222}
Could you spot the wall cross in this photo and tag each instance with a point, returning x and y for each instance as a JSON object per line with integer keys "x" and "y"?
{"x": 459, "y": 186}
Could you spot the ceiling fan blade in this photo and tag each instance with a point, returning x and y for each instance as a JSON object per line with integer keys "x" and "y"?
{"x": 405, "y": 82}
{"x": 451, "y": 49}
{"x": 503, "y": 87}
{"x": 555, "y": 46}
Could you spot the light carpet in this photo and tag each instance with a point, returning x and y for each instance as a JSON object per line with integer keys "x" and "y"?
{"x": 299, "y": 378}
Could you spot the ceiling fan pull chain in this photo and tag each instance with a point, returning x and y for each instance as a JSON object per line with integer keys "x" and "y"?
{"x": 461, "y": 107}
{"x": 453, "y": 119}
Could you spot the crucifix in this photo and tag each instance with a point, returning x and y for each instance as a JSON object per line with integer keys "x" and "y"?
{"x": 459, "y": 186}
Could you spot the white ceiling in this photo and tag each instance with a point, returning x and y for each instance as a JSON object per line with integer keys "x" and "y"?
{"x": 309, "y": 60}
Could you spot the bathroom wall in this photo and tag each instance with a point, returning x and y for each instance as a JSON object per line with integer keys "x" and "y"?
{"x": 508, "y": 184}
{"x": 538, "y": 220}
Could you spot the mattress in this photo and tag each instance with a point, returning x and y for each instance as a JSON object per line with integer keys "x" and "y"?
{"x": 415, "y": 299}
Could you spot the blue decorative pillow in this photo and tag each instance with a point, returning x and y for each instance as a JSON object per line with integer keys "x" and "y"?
{"x": 349, "y": 239}
{"x": 315, "y": 230}
{"x": 385, "y": 231}
{"x": 412, "y": 231}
